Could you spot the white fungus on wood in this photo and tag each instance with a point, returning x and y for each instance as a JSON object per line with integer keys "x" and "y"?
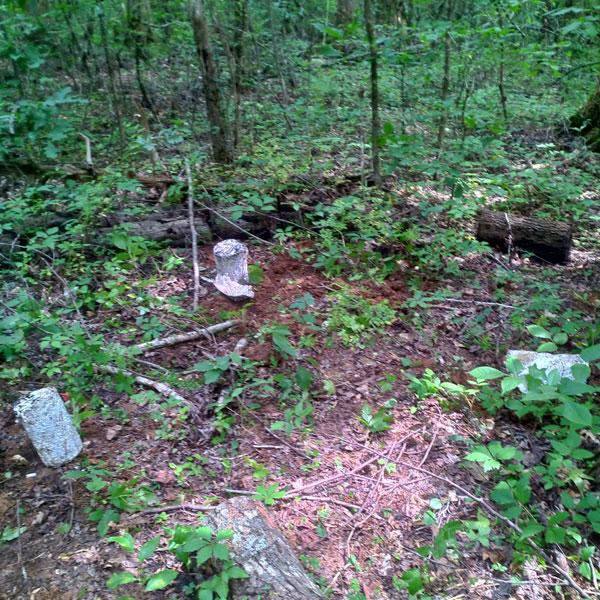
{"x": 231, "y": 259}
{"x": 49, "y": 426}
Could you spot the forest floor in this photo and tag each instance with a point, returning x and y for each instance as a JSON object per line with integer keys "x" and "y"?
{"x": 328, "y": 465}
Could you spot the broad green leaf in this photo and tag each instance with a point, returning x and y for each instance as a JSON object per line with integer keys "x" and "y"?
{"x": 161, "y": 580}
{"x": 482, "y": 456}
{"x": 576, "y": 413}
{"x": 591, "y": 354}
{"x": 95, "y": 485}
{"x": 581, "y": 372}
{"x": 539, "y": 332}
{"x": 121, "y": 578}
{"x": 204, "y": 365}
{"x": 126, "y": 541}
{"x": 220, "y": 551}
{"x": 304, "y": 378}
{"x": 147, "y": 550}
{"x": 555, "y": 535}
{"x": 236, "y": 572}
{"x": 485, "y": 373}
{"x": 560, "y": 338}
{"x": 586, "y": 570}
{"x": 547, "y": 347}
{"x": 11, "y": 533}
{"x": 204, "y": 554}
{"x": 282, "y": 343}
{"x": 224, "y": 534}
{"x": 508, "y": 384}
{"x": 107, "y": 517}
{"x": 212, "y": 376}
{"x": 530, "y": 530}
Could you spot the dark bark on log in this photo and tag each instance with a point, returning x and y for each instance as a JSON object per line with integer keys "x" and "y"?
{"x": 262, "y": 551}
{"x": 548, "y": 240}
{"x": 175, "y": 231}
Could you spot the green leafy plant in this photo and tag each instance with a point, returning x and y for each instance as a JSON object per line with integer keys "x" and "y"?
{"x": 203, "y": 554}
{"x": 268, "y": 495}
{"x": 110, "y": 498}
{"x": 356, "y": 320}
{"x": 378, "y": 421}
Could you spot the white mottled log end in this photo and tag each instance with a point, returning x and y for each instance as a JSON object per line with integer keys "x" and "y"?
{"x": 49, "y": 426}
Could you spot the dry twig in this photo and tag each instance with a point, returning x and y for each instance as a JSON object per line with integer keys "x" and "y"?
{"x": 194, "y": 234}
{"x": 160, "y": 387}
{"x": 180, "y": 338}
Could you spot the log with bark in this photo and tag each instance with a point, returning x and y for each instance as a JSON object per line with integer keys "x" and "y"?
{"x": 547, "y": 240}
{"x": 166, "y": 225}
{"x": 273, "y": 569}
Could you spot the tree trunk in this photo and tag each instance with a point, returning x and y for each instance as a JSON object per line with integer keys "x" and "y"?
{"x": 445, "y": 90}
{"x": 375, "y": 118}
{"x": 548, "y": 240}
{"x": 344, "y": 12}
{"x": 587, "y": 120}
{"x": 111, "y": 77}
{"x": 219, "y": 126}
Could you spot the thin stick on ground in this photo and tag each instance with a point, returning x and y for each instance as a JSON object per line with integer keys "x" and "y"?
{"x": 373, "y": 491}
{"x": 431, "y": 444}
{"x": 552, "y": 563}
{"x": 180, "y": 338}
{"x": 194, "y": 234}
{"x": 19, "y": 544}
{"x": 171, "y": 508}
{"x": 160, "y": 387}
{"x": 325, "y": 499}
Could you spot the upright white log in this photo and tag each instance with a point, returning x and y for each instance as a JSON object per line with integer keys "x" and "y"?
{"x": 49, "y": 426}
{"x": 231, "y": 259}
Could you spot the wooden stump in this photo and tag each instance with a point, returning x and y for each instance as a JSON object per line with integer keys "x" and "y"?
{"x": 547, "y": 240}
{"x": 273, "y": 569}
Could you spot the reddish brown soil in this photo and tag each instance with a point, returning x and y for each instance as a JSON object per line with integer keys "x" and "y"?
{"x": 382, "y": 538}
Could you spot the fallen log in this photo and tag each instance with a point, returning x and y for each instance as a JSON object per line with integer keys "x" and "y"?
{"x": 547, "y": 240}
{"x": 176, "y": 231}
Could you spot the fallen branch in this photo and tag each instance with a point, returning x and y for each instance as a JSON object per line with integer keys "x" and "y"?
{"x": 162, "y": 388}
{"x": 171, "y": 508}
{"x": 311, "y": 498}
{"x": 180, "y": 338}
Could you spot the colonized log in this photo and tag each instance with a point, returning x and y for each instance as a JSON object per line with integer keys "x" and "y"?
{"x": 231, "y": 259}
{"x": 273, "y": 569}
{"x": 563, "y": 363}
{"x": 548, "y": 240}
{"x": 49, "y": 426}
